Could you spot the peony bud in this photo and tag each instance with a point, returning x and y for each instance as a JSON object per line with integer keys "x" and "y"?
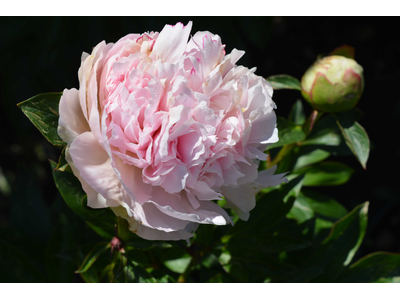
{"x": 333, "y": 83}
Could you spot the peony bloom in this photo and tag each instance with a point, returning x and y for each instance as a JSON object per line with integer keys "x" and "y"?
{"x": 160, "y": 127}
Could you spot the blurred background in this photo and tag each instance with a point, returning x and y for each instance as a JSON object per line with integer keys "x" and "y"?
{"x": 42, "y": 54}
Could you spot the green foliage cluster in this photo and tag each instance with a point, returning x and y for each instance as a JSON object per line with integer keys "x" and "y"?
{"x": 294, "y": 234}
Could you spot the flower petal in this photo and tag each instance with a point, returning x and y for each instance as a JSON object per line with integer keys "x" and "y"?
{"x": 171, "y": 43}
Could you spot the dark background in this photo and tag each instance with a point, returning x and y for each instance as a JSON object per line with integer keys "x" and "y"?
{"x": 42, "y": 54}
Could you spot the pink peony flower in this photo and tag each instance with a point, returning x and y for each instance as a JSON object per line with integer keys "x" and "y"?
{"x": 160, "y": 127}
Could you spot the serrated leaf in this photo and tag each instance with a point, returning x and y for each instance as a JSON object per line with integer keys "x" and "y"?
{"x": 280, "y": 82}
{"x": 378, "y": 266}
{"x": 288, "y": 133}
{"x": 327, "y": 173}
{"x": 92, "y": 256}
{"x": 356, "y": 139}
{"x": 338, "y": 249}
{"x": 100, "y": 220}
{"x": 42, "y": 111}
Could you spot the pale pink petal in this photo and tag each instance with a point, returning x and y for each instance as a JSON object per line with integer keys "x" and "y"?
{"x": 171, "y": 43}
{"x": 95, "y": 168}
{"x": 72, "y": 121}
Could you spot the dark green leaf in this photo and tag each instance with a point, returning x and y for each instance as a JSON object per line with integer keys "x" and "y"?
{"x": 62, "y": 163}
{"x": 268, "y": 243}
{"x": 373, "y": 267}
{"x": 322, "y": 204}
{"x": 42, "y": 111}
{"x": 271, "y": 207}
{"x": 356, "y": 139}
{"x": 326, "y": 173}
{"x": 310, "y": 202}
{"x": 288, "y": 133}
{"x": 135, "y": 273}
{"x": 100, "y": 220}
{"x": 92, "y": 256}
{"x": 297, "y": 115}
{"x": 338, "y": 249}
{"x": 280, "y": 82}
{"x": 308, "y": 155}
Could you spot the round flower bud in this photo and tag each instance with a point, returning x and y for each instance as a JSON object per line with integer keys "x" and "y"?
{"x": 333, "y": 83}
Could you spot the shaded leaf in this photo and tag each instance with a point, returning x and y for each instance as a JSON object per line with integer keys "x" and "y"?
{"x": 297, "y": 115}
{"x": 100, "y": 220}
{"x": 268, "y": 243}
{"x": 271, "y": 207}
{"x": 92, "y": 256}
{"x": 326, "y": 173}
{"x": 42, "y": 111}
{"x": 288, "y": 133}
{"x": 280, "y": 82}
{"x": 356, "y": 139}
{"x": 338, "y": 249}
{"x": 62, "y": 163}
{"x": 378, "y": 266}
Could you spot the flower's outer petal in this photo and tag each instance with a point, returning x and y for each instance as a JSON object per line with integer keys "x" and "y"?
{"x": 95, "y": 168}
{"x": 171, "y": 43}
{"x": 181, "y": 208}
{"x": 72, "y": 121}
{"x": 153, "y": 234}
{"x": 242, "y": 198}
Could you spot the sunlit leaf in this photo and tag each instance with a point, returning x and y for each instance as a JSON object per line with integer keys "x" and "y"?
{"x": 280, "y": 82}
{"x": 42, "y": 111}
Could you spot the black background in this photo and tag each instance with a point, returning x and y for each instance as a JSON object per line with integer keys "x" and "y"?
{"x": 42, "y": 54}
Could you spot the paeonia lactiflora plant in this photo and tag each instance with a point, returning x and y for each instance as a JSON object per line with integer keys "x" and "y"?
{"x": 173, "y": 156}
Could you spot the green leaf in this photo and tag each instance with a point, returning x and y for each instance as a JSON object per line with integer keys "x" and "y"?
{"x": 308, "y": 155}
{"x": 271, "y": 208}
{"x": 288, "y": 133}
{"x": 135, "y": 273}
{"x": 178, "y": 265}
{"x": 268, "y": 243}
{"x": 280, "y": 82}
{"x": 322, "y": 204}
{"x": 297, "y": 115}
{"x": 378, "y": 266}
{"x": 356, "y": 139}
{"x": 100, "y": 220}
{"x": 304, "y": 275}
{"x": 326, "y": 173}
{"x": 338, "y": 249}
{"x": 310, "y": 202}
{"x": 42, "y": 111}
{"x": 62, "y": 163}
{"x": 92, "y": 256}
